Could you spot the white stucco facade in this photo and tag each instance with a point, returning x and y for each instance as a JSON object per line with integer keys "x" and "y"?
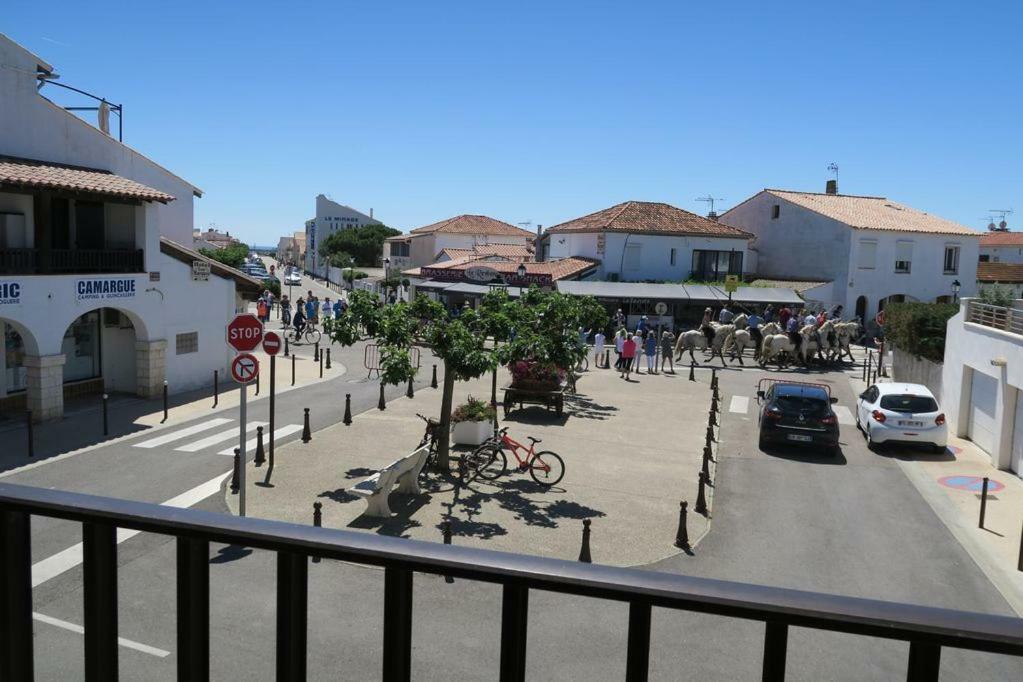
{"x": 1006, "y": 253}
{"x": 793, "y": 242}
{"x": 330, "y": 218}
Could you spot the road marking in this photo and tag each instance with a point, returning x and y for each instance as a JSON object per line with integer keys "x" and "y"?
{"x": 844, "y": 415}
{"x": 250, "y": 445}
{"x": 740, "y": 404}
{"x": 64, "y": 561}
{"x": 126, "y": 643}
{"x": 217, "y": 438}
{"x": 177, "y": 435}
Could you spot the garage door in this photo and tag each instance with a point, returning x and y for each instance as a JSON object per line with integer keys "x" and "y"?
{"x": 983, "y": 397}
{"x": 1017, "y": 437}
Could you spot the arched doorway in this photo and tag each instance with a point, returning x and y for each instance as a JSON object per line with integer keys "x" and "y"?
{"x": 99, "y": 353}
{"x": 861, "y": 308}
{"x": 19, "y": 343}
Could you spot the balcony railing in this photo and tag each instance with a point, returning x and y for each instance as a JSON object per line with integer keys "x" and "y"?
{"x": 70, "y": 261}
{"x": 926, "y": 629}
{"x": 996, "y": 317}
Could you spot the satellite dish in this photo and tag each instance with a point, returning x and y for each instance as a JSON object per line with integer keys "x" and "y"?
{"x": 991, "y": 226}
{"x": 1002, "y": 225}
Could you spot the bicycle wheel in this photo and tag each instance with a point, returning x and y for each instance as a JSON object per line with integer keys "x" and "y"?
{"x": 313, "y": 336}
{"x": 547, "y": 468}
{"x": 491, "y": 461}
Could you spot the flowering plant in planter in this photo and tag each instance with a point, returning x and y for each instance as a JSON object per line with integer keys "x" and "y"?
{"x": 531, "y": 373}
{"x": 472, "y": 422}
{"x": 473, "y": 411}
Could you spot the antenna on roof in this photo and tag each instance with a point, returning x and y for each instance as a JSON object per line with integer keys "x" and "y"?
{"x": 1002, "y": 225}
{"x": 525, "y": 224}
{"x": 710, "y": 200}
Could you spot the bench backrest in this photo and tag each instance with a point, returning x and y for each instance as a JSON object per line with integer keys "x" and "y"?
{"x": 410, "y": 462}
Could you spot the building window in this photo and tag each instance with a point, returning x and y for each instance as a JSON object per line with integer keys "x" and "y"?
{"x": 867, "y": 255}
{"x": 903, "y": 256}
{"x": 673, "y": 253}
{"x": 81, "y": 348}
{"x": 712, "y": 266}
{"x": 951, "y": 260}
{"x": 186, "y": 343}
{"x": 775, "y": 211}
{"x": 985, "y": 258}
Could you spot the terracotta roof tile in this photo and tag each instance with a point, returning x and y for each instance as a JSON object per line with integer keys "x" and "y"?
{"x": 38, "y": 174}
{"x": 514, "y": 251}
{"x": 1002, "y": 239}
{"x": 650, "y": 218}
{"x": 1000, "y": 272}
{"x": 473, "y": 224}
{"x": 557, "y": 269}
{"x": 872, "y": 213}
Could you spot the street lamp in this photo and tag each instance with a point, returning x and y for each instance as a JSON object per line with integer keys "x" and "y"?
{"x": 387, "y": 277}
{"x": 521, "y": 272}
{"x": 955, "y": 291}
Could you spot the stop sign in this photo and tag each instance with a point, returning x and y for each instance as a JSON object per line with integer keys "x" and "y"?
{"x": 244, "y": 332}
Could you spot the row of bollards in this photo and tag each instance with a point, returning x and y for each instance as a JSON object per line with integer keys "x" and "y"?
{"x": 708, "y": 449}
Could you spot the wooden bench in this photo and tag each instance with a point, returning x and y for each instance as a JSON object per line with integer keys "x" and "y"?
{"x": 548, "y": 398}
{"x": 377, "y": 488}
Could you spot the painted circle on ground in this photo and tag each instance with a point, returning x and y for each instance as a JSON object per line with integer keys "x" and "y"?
{"x": 271, "y": 343}
{"x": 973, "y": 484}
{"x": 244, "y": 368}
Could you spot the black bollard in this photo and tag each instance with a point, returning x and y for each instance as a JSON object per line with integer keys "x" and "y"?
{"x": 708, "y": 453}
{"x": 320, "y": 360}
{"x": 706, "y": 462}
{"x": 446, "y": 533}
{"x": 714, "y": 406}
{"x": 710, "y": 434}
{"x": 381, "y": 404}
{"x": 292, "y": 370}
{"x": 216, "y": 387}
{"x": 701, "y": 497}
{"x": 318, "y": 522}
{"x": 164, "y": 402}
{"x": 316, "y": 352}
{"x": 433, "y": 382}
{"x": 286, "y": 351}
{"x": 307, "y": 434}
{"x": 234, "y": 471}
{"x": 607, "y": 358}
{"x": 257, "y": 382}
{"x": 584, "y": 552}
{"x": 1019, "y": 564}
{"x": 714, "y": 377}
{"x": 348, "y": 409}
{"x": 682, "y": 536}
{"x": 31, "y": 435}
{"x": 692, "y": 371}
{"x": 983, "y": 502}
{"x": 328, "y": 358}
{"x": 713, "y": 420}
{"x": 410, "y": 391}
{"x": 260, "y": 453}
{"x": 106, "y": 422}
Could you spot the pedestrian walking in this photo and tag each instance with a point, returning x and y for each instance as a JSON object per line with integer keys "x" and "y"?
{"x": 619, "y": 344}
{"x": 637, "y": 339}
{"x": 651, "y": 352}
{"x": 667, "y": 349}
{"x": 598, "y": 346}
{"x": 285, "y": 312}
{"x": 326, "y": 308}
{"x": 628, "y": 354}
{"x": 311, "y": 311}
{"x": 338, "y": 308}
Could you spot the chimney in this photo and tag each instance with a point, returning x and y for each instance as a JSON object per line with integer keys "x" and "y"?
{"x": 713, "y": 215}
{"x": 537, "y": 256}
{"x": 831, "y": 187}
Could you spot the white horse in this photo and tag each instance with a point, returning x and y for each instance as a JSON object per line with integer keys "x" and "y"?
{"x": 846, "y": 332}
{"x": 828, "y": 341}
{"x": 740, "y": 339}
{"x": 778, "y": 343}
{"x": 695, "y": 339}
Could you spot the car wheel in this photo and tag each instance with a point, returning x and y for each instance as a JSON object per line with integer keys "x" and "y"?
{"x": 871, "y": 445}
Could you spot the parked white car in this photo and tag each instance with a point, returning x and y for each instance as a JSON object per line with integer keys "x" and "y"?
{"x": 901, "y": 413}
{"x": 293, "y": 278}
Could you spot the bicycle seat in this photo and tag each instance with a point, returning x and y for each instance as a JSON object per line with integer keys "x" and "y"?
{"x": 534, "y": 440}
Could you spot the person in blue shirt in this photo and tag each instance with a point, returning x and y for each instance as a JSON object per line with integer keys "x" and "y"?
{"x": 769, "y": 314}
{"x": 338, "y": 309}
{"x": 754, "y": 323}
{"x": 310, "y": 310}
{"x": 650, "y": 350}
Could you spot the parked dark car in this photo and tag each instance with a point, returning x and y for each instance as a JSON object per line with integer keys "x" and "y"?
{"x": 795, "y": 413}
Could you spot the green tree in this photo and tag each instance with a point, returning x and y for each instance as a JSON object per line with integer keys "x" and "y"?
{"x": 232, "y": 256}
{"x": 365, "y": 244}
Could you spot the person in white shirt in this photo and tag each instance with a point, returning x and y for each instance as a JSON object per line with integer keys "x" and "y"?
{"x": 637, "y": 338}
{"x": 327, "y": 308}
{"x": 619, "y": 342}
{"x": 598, "y": 346}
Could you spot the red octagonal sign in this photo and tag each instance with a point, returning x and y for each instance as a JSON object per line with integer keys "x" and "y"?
{"x": 244, "y": 332}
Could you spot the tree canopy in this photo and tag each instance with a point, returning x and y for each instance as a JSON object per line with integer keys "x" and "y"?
{"x": 364, "y": 244}
{"x": 233, "y": 255}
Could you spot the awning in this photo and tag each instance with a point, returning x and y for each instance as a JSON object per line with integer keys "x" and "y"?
{"x": 688, "y": 293}
{"x": 766, "y": 295}
{"x": 31, "y": 174}
{"x": 469, "y": 289}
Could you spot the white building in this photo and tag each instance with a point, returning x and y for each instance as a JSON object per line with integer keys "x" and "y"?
{"x": 982, "y": 380}
{"x": 1001, "y": 247}
{"x": 873, "y": 250}
{"x": 424, "y": 245}
{"x": 330, "y": 217}
{"x": 96, "y": 292}
{"x": 648, "y": 241}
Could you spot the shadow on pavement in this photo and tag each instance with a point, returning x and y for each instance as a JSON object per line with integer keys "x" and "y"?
{"x": 808, "y": 455}
{"x": 229, "y": 553}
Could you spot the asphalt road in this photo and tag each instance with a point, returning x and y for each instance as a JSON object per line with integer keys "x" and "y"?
{"x": 853, "y": 525}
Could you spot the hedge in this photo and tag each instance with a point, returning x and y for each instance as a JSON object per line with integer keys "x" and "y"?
{"x": 918, "y": 328}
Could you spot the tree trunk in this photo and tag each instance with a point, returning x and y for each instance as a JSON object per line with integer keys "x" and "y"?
{"x": 444, "y": 437}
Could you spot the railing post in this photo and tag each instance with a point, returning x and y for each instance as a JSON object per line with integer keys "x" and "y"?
{"x": 193, "y": 610}
{"x": 924, "y": 662}
{"x": 16, "y": 658}
{"x": 292, "y": 621}
{"x": 637, "y": 662}
{"x": 775, "y": 647}
{"x": 514, "y": 622}
{"x": 397, "y": 624}
{"x": 99, "y": 551}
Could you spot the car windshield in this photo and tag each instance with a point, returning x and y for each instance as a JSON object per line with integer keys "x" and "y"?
{"x": 798, "y": 403}
{"x": 909, "y": 403}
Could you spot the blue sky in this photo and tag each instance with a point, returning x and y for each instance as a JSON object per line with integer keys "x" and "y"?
{"x": 549, "y": 110}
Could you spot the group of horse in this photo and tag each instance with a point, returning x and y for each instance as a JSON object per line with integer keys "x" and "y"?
{"x": 827, "y": 344}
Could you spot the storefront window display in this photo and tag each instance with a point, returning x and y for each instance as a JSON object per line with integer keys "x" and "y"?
{"x": 81, "y": 348}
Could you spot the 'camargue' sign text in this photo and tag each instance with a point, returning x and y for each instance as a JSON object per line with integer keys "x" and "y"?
{"x": 112, "y": 287}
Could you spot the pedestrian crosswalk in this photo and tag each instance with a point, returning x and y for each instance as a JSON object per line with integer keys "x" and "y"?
{"x": 740, "y": 405}
{"x": 180, "y": 439}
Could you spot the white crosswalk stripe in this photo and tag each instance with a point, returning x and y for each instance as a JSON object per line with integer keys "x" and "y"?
{"x": 739, "y": 404}
{"x": 844, "y": 415}
{"x": 250, "y": 445}
{"x": 182, "y": 433}
{"x": 217, "y": 438}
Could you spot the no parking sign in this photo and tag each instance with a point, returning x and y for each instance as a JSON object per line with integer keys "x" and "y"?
{"x": 244, "y": 368}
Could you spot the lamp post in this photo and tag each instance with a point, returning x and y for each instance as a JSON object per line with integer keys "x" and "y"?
{"x": 955, "y": 291}
{"x": 387, "y": 277}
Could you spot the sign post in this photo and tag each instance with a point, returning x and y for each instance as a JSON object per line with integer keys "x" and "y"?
{"x": 271, "y": 346}
{"x": 731, "y": 284}
{"x": 244, "y": 333}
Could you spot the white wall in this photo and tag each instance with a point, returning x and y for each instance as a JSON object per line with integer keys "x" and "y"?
{"x": 330, "y": 217}
{"x": 35, "y": 128}
{"x": 971, "y": 348}
{"x": 118, "y": 358}
{"x": 1003, "y": 254}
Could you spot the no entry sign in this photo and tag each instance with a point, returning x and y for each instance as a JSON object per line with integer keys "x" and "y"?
{"x": 271, "y": 343}
{"x": 244, "y": 368}
{"x": 244, "y": 332}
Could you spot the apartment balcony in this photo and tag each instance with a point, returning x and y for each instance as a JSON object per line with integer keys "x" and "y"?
{"x": 71, "y": 261}
{"x": 996, "y": 317}
{"x": 925, "y": 630}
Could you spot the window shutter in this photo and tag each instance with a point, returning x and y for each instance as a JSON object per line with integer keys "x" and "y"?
{"x": 867, "y": 254}
{"x": 904, "y": 251}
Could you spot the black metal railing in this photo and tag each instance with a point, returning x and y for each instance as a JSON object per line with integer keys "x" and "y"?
{"x": 926, "y": 629}
{"x": 70, "y": 261}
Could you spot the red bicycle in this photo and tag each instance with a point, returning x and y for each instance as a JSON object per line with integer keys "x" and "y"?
{"x": 546, "y": 467}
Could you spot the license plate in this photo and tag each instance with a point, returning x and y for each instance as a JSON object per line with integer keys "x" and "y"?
{"x": 906, "y": 422}
{"x": 801, "y": 439}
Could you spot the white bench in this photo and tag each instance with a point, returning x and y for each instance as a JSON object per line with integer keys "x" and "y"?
{"x": 377, "y": 488}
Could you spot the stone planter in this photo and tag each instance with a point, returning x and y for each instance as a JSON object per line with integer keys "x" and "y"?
{"x": 471, "y": 433}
